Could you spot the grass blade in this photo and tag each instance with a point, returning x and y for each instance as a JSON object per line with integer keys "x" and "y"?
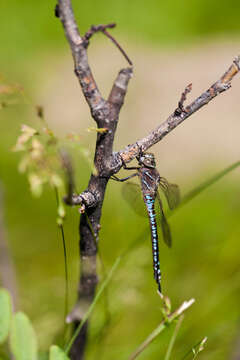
{"x": 66, "y": 297}
{"x": 91, "y": 307}
{"x": 197, "y": 351}
{"x": 173, "y": 338}
{"x": 193, "y": 193}
{"x": 191, "y": 351}
{"x": 162, "y": 326}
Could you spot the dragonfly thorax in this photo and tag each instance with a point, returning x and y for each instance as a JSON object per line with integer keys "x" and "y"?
{"x": 147, "y": 159}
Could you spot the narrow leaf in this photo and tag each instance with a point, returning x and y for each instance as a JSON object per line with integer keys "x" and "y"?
{"x": 91, "y": 307}
{"x": 56, "y": 353}
{"x": 5, "y": 314}
{"x": 193, "y": 193}
{"x": 23, "y": 340}
{"x": 199, "y": 349}
{"x": 173, "y": 338}
{"x": 191, "y": 351}
{"x": 161, "y": 327}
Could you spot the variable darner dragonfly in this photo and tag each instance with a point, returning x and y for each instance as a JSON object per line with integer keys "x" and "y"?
{"x": 151, "y": 180}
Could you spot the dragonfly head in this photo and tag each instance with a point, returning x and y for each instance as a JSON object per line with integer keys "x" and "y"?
{"x": 147, "y": 159}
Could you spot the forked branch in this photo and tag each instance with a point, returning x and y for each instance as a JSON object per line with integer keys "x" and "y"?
{"x": 105, "y": 113}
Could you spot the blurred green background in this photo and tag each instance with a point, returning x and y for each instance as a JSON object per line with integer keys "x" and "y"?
{"x": 171, "y": 44}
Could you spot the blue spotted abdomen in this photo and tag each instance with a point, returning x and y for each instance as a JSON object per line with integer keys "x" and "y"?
{"x": 149, "y": 201}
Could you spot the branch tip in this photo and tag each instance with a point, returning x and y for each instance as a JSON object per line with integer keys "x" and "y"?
{"x": 237, "y": 62}
{"x": 180, "y": 109}
{"x": 103, "y": 28}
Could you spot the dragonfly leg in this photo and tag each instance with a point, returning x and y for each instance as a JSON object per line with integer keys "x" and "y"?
{"x": 113, "y": 177}
{"x": 129, "y": 167}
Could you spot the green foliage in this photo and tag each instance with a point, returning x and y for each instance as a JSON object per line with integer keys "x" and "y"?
{"x": 23, "y": 340}
{"x": 22, "y": 337}
{"x": 57, "y": 354}
{"x": 5, "y": 314}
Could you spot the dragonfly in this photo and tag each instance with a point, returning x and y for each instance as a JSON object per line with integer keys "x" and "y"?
{"x": 150, "y": 182}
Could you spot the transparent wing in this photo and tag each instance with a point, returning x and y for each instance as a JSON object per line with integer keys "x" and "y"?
{"x": 167, "y": 237}
{"x": 133, "y": 195}
{"x": 171, "y": 192}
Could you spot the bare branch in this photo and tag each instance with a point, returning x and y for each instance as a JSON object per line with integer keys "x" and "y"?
{"x": 106, "y": 114}
{"x": 79, "y": 52}
{"x": 94, "y": 29}
{"x": 103, "y": 29}
{"x": 118, "y": 46}
{"x": 119, "y": 88}
{"x": 183, "y": 98}
{"x": 86, "y": 198}
{"x": 175, "y": 119}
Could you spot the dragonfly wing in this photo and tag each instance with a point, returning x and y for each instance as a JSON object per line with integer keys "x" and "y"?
{"x": 171, "y": 192}
{"x": 133, "y": 195}
{"x": 167, "y": 237}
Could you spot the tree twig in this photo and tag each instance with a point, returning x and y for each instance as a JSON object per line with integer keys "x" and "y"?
{"x": 176, "y": 118}
{"x": 103, "y": 29}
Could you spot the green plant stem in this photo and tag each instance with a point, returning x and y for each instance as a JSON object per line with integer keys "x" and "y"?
{"x": 91, "y": 307}
{"x": 173, "y": 338}
{"x": 190, "y": 351}
{"x": 161, "y": 327}
{"x": 65, "y": 267}
{"x": 66, "y": 273}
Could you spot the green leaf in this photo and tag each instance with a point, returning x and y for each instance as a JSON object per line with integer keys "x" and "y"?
{"x": 5, "y": 314}
{"x": 23, "y": 342}
{"x": 56, "y": 353}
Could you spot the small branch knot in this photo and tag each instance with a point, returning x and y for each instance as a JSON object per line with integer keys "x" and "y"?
{"x": 57, "y": 11}
{"x": 93, "y": 30}
{"x": 180, "y": 109}
{"x": 86, "y": 199}
{"x": 101, "y": 113}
